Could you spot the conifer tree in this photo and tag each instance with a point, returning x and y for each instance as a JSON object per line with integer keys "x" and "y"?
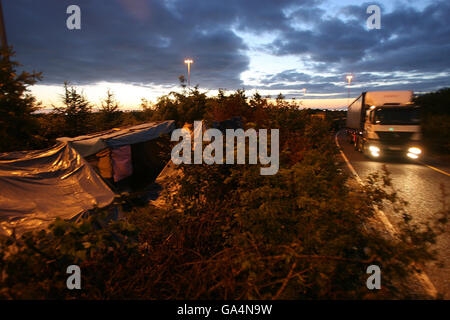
{"x": 76, "y": 111}
{"x": 18, "y": 126}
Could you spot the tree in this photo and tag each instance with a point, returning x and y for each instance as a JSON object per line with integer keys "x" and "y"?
{"x": 76, "y": 111}
{"x": 18, "y": 126}
{"x": 435, "y": 114}
{"x": 435, "y": 102}
{"x": 109, "y": 105}
{"x": 257, "y": 100}
{"x": 183, "y": 81}
{"x": 181, "y": 107}
{"x": 109, "y": 111}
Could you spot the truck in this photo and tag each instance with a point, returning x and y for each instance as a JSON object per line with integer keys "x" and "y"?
{"x": 385, "y": 123}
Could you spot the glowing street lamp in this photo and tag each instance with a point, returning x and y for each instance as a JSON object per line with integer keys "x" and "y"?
{"x": 349, "y": 79}
{"x": 189, "y": 62}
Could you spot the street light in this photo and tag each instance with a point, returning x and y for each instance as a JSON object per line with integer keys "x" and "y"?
{"x": 349, "y": 79}
{"x": 189, "y": 62}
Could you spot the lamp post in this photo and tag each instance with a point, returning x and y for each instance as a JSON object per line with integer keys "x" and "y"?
{"x": 189, "y": 62}
{"x": 349, "y": 79}
{"x": 2, "y": 29}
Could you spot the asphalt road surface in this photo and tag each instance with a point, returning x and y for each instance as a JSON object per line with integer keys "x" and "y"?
{"x": 420, "y": 184}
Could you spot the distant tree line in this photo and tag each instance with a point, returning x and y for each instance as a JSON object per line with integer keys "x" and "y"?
{"x": 436, "y": 119}
{"x": 22, "y": 128}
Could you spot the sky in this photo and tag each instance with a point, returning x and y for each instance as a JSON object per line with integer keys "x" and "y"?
{"x": 301, "y": 48}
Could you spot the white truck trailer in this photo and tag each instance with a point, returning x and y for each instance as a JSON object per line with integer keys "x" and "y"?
{"x": 381, "y": 123}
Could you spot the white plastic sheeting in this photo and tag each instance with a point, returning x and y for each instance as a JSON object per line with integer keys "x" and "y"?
{"x": 38, "y": 186}
{"x": 91, "y": 144}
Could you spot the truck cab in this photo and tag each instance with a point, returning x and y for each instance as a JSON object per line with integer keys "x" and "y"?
{"x": 385, "y": 123}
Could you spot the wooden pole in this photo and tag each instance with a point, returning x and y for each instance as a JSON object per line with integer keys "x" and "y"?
{"x": 3, "y": 29}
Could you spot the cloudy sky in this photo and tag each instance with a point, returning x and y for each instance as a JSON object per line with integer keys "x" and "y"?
{"x": 137, "y": 47}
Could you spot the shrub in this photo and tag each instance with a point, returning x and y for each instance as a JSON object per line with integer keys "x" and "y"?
{"x": 230, "y": 233}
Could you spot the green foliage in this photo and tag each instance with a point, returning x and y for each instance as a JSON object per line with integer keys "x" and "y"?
{"x": 226, "y": 107}
{"x": 436, "y": 119}
{"x": 76, "y": 111}
{"x": 41, "y": 258}
{"x": 18, "y": 127}
{"x": 436, "y": 132}
{"x": 300, "y": 234}
{"x": 230, "y": 233}
{"x": 435, "y": 102}
{"x": 181, "y": 107}
{"x": 110, "y": 114}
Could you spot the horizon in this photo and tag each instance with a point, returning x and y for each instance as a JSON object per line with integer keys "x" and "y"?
{"x": 52, "y": 97}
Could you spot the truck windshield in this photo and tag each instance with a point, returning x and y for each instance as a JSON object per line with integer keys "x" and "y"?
{"x": 397, "y": 116}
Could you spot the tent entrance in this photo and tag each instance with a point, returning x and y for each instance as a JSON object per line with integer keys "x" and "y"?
{"x": 132, "y": 168}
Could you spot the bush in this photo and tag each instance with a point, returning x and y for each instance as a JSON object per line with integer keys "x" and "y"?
{"x": 436, "y": 132}
{"x": 435, "y": 110}
{"x": 230, "y": 233}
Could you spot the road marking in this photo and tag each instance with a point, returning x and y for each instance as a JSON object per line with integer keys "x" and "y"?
{"x": 435, "y": 169}
{"x": 349, "y": 165}
{"x": 388, "y": 225}
{"x": 426, "y": 282}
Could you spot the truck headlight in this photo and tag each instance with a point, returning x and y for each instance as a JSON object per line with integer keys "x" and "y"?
{"x": 374, "y": 151}
{"x": 414, "y": 150}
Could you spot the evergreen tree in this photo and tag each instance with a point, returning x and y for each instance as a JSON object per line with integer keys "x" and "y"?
{"x": 109, "y": 111}
{"x": 18, "y": 126}
{"x": 76, "y": 111}
{"x": 109, "y": 105}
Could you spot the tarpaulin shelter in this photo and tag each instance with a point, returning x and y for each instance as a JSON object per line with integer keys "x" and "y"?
{"x": 66, "y": 180}
{"x": 127, "y": 153}
{"x": 93, "y": 143}
{"x": 38, "y": 186}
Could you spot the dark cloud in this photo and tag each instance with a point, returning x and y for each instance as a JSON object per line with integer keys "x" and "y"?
{"x": 125, "y": 41}
{"x": 287, "y": 76}
{"x": 409, "y": 40}
{"x": 146, "y": 41}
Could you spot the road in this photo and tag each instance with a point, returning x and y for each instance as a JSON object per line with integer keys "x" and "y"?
{"x": 420, "y": 184}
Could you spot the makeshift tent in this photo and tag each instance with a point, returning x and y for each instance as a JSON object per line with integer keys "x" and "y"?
{"x": 127, "y": 158}
{"x": 38, "y": 186}
{"x": 64, "y": 181}
{"x": 91, "y": 144}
